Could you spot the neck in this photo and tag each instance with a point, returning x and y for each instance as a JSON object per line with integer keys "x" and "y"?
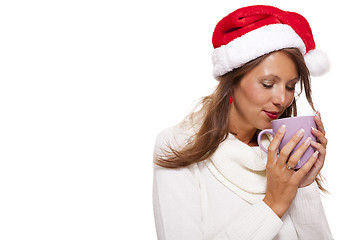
{"x": 241, "y": 128}
{"x": 247, "y": 136}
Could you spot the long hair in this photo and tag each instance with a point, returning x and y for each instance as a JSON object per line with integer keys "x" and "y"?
{"x": 212, "y": 118}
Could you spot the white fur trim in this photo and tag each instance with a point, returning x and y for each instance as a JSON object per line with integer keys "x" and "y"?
{"x": 317, "y": 62}
{"x": 253, "y": 45}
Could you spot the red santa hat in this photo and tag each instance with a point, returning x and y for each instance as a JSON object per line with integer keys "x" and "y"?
{"x": 253, "y": 31}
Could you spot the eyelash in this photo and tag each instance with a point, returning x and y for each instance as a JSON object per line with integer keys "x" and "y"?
{"x": 267, "y": 85}
{"x": 270, "y": 86}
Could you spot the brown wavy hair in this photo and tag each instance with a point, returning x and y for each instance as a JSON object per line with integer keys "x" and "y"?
{"x": 212, "y": 118}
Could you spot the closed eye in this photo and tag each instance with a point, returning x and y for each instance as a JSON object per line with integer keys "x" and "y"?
{"x": 267, "y": 85}
{"x": 290, "y": 88}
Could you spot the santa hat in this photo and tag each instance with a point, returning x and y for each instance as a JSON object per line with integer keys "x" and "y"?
{"x": 253, "y": 31}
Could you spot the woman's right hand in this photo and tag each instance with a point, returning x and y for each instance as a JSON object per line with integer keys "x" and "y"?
{"x": 283, "y": 183}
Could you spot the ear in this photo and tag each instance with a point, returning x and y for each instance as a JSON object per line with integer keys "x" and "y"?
{"x": 234, "y": 87}
{"x": 232, "y": 91}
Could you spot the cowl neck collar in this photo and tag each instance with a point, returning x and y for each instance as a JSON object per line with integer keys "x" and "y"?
{"x": 240, "y": 167}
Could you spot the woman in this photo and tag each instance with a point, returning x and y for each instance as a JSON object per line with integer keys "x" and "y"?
{"x": 211, "y": 181}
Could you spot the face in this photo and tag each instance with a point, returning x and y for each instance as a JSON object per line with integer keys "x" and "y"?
{"x": 264, "y": 93}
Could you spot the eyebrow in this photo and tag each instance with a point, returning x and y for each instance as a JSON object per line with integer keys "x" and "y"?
{"x": 278, "y": 78}
{"x": 295, "y": 79}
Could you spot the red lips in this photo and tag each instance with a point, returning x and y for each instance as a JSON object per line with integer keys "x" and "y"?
{"x": 272, "y": 115}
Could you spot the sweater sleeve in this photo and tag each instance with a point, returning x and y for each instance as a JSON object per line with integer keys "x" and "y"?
{"x": 177, "y": 208}
{"x": 308, "y": 216}
{"x": 176, "y": 194}
{"x": 258, "y": 222}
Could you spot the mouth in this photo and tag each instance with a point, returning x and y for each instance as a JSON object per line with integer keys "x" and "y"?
{"x": 272, "y": 115}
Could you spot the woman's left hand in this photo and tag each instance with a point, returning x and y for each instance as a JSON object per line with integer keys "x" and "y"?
{"x": 320, "y": 146}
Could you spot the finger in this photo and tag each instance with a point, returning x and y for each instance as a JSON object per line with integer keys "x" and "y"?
{"x": 320, "y": 136}
{"x": 294, "y": 159}
{"x": 321, "y": 158}
{"x": 305, "y": 169}
{"x": 319, "y": 123}
{"x": 275, "y": 143}
{"x": 316, "y": 168}
{"x": 319, "y": 147}
{"x": 287, "y": 149}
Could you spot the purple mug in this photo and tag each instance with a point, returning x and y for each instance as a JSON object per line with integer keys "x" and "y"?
{"x": 293, "y": 124}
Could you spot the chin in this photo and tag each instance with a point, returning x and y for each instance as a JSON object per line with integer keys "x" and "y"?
{"x": 264, "y": 125}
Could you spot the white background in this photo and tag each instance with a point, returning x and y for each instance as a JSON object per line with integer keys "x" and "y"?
{"x": 85, "y": 86}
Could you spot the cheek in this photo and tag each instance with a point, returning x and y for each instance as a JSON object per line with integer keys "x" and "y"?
{"x": 258, "y": 96}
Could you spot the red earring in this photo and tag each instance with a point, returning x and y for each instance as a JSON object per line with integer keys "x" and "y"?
{"x": 231, "y": 100}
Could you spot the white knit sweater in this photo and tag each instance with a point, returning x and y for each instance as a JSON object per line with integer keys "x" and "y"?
{"x": 221, "y": 198}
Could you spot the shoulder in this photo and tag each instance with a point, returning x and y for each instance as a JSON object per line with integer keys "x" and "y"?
{"x": 175, "y": 137}
{"x": 178, "y": 135}
{"x": 178, "y": 179}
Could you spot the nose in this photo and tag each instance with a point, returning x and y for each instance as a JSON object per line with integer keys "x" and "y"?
{"x": 279, "y": 97}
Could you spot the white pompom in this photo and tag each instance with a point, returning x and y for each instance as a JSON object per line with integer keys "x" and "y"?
{"x": 317, "y": 62}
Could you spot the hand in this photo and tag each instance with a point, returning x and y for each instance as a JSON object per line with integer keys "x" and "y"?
{"x": 321, "y": 148}
{"x": 282, "y": 183}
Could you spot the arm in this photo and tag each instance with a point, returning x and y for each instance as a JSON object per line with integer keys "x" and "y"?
{"x": 176, "y": 200}
{"x": 176, "y": 195}
{"x": 258, "y": 222}
{"x": 306, "y": 210}
{"x": 308, "y": 216}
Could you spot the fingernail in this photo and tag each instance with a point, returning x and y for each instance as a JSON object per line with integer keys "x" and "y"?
{"x": 318, "y": 114}
{"x": 308, "y": 141}
{"x": 314, "y": 129}
{"x": 316, "y": 154}
{"x": 282, "y": 128}
{"x": 300, "y": 133}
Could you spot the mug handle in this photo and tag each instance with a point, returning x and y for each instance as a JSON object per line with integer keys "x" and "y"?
{"x": 259, "y": 138}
